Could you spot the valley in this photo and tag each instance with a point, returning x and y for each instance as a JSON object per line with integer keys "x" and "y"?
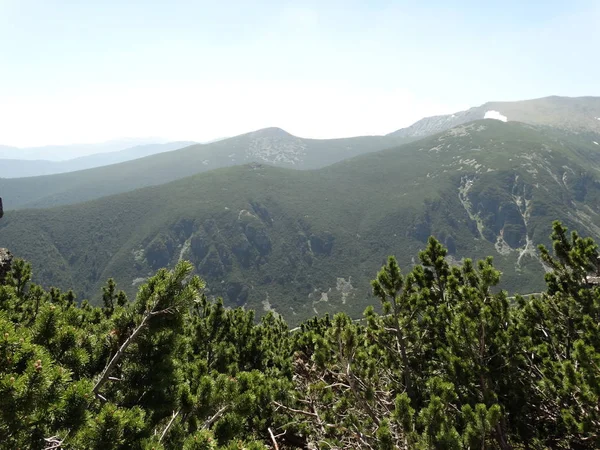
{"x": 306, "y": 242}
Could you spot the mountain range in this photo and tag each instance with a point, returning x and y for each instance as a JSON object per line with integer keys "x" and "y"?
{"x": 301, "y": 242}
{"x": 19, "y": 168}
{"x": 576, "y": 116}
{"x": 70, "y": 151}
{"x": 271, "y": 146}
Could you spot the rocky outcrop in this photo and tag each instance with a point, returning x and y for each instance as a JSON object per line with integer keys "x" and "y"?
{"x": 5, "y": 263}
{"x": 5, "y": 256}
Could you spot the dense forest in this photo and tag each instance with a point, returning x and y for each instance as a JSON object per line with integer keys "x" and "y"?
{"x": 446, "y": 361}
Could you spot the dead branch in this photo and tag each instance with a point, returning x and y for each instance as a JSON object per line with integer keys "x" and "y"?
{"x": 169, "y": 425}
{"x": 275, "y": 446}
{"x": 214, "y": 418}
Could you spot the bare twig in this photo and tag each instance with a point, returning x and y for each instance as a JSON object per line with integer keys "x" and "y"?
{"x": 169, "y": 425}
{"x": 297, "y": 411}
{"x": 53, "y": 442}
{"x": 117, "y": 356}
{"x": 216, "y": 417}
{"x": 104, "y": 377}
{"x": 275, "y": 446}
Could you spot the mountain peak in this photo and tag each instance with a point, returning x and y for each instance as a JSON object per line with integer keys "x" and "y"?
{"x": 566, "y": 113}
{"x": 271, "y": 132}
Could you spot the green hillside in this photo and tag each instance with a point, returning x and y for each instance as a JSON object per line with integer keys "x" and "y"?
{"x": 306, "y": 242}
{"x": 272, "y": 146}
{"x": 576, "y": 116}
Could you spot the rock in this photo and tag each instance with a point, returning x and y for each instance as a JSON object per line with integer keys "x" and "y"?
{"x": 5, "y": 256}
{"x": 5, "y": 263}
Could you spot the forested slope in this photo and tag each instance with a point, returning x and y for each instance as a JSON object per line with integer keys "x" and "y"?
{"x": 306, "y": 242}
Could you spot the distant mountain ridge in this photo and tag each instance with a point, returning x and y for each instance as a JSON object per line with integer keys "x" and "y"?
{"x": 271, "y": 146}
{"x": 70, "y": 151}
{"x": 574, "y": 114}
{"x": 578, "y": 116}
{"x": 18, "y": 168}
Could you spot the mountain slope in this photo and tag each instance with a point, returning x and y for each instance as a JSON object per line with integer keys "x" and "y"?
{"x": 18, "y": 168}
{"x": 575, "y": 114}
{"x": 272, "y": 146}
{"x": 301, "y": 242}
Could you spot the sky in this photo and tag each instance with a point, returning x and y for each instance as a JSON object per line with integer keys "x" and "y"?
{"x": 95, "y": 70}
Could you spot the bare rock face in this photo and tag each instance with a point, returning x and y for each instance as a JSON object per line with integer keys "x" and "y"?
{"x": 5, "y": 256}
{"x": 5, "y": 263}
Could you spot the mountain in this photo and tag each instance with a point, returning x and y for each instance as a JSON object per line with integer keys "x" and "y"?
{"x": 70, "y": 151}
{"x": 577, "y": 116}
{"x": 574, "y": 114}
{"x": 18, "y": 168}
{"x": 272, "y": 146}
{"x": 306, "y": 242}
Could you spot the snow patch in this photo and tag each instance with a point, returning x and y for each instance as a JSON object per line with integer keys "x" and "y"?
{"x": 491, "y": 114}
{"x": 595, "y": 142}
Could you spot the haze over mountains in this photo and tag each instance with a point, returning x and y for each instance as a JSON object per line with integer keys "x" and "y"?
{"x": 307, "y": 241}
{"x": 272, "y": 146}
{"x": 18, "y": 168}
{"x": 70, "y": 151}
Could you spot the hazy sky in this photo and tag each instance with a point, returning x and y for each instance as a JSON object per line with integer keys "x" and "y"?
{"x": 92, "y": 70}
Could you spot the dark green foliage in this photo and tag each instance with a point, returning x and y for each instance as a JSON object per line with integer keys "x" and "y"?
{"x": 451, "y": 363}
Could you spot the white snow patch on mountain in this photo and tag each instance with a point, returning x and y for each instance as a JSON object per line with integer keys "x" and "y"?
{"x": 491, "y": 114}
{"x": 595, "y": 142}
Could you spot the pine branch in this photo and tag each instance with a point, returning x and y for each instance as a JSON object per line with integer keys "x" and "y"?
{"x": 117, "y": 357}
{"x": 105, "y": 376}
